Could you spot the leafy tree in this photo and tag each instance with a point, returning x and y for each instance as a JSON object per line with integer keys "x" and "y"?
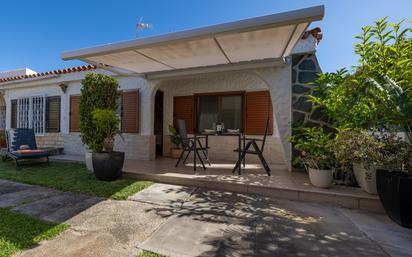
{"x": 99, "y": 91}
{"x": 364, "y": 98}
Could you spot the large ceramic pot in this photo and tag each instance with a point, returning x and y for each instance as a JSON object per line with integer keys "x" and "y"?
{"x": 321, "y": 178}
{"x": 366, "y": 177}
{"x": 88, "y": 160}
{"x": 175, "y": 152}
{"x": 108, "y": 166}
{"x": 395, "y": 192}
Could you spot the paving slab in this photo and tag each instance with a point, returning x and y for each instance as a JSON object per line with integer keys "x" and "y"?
{"x": 25, "y": 196}
{"x": 164, "y": 195}
{"x": 10, "y": 187}
{"x": 58, "y": 208}
{"x": 214, "y": 223}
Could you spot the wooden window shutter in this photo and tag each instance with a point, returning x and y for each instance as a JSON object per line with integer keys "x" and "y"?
{"x": 13, "y": 121}
{"x": 258, "y": 106}
{"x": 74, "y": 113}
{"x": 183, "y": 109}
{"x": 130, "y": 111}
{"x": 53, "y": 114}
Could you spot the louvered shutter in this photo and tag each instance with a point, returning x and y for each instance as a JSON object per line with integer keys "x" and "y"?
{"x": 258, "y": 106}
{"x": 130, "y": 111}
{"x": 184, "y": 110}
{"x": 74, "y": 113}
{"x": 53, "y": 114}
{"x": 13, "y": 120}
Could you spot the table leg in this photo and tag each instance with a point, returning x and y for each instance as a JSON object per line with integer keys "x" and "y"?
{"x": 239, "y": 153}
{"x": 194, "y": 152}
{"x": 207, "y": 149}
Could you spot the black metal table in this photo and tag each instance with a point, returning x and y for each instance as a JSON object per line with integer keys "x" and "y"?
{"x": 206, "y": 136}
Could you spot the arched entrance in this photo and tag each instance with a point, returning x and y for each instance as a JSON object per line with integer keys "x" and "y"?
{"x": 158, "y": 122}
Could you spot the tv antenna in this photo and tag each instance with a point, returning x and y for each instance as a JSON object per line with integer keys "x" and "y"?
{"x": 140, "y": 26}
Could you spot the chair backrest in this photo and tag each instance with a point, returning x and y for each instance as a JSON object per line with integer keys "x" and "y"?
{"x": 266, "y": 133}
{"x": 20, "y": 136}
{"x": 181, "y": 128}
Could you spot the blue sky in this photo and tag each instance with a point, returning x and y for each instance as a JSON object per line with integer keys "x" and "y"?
{"x": 34, "y": 33}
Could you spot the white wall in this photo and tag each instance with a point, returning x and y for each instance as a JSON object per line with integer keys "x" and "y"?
{"x": 276, "y": 80}
{"x": 133, "y": 143}
{"x": 142, "y": 145}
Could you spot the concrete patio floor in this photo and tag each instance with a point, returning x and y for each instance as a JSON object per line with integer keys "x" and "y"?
{"x": 190, "y": 221}
{"x": 281, "y": 185}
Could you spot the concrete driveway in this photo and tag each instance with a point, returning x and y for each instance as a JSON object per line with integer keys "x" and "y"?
{"x": 181, "y": 221}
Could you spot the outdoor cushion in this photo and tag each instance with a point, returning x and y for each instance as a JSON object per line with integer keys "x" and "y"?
{"x": 28, "y": 151}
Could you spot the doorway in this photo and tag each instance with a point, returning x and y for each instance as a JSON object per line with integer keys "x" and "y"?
{"x": 158, "y": 123}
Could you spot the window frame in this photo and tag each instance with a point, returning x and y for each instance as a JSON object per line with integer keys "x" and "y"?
{"x": 219, "y": 95}
{"x": 15, "y": 119}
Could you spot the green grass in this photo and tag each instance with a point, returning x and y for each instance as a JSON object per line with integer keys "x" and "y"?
{"x": 20, "y": 231}
{"x": 71, "y": 177}
{"x": 149, "y": 254}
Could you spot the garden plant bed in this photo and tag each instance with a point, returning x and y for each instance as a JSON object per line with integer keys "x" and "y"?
{"x": 71, "y": 177}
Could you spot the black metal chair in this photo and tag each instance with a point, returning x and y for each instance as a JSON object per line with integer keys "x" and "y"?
{"x": 252, "y": 142}
{"x": 15, "y": 138}
{"x": 188, "y": 145}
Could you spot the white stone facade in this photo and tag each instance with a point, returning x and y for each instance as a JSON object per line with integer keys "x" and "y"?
{"x": 142, "y": 145}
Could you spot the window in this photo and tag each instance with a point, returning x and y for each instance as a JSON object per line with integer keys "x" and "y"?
{"x": 37, "y": 112}
{"x": 226, "y": 109}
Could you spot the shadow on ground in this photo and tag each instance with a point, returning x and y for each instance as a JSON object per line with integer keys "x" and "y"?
{"x": 216, "y": 223}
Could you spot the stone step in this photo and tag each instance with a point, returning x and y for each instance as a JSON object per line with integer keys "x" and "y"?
{"x": 347, "y": 200}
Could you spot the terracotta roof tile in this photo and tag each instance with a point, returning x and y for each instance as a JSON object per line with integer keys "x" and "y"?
{"x": 54, "y": 72}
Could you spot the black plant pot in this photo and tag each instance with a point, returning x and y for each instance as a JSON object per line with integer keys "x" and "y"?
{"x": 108, "y": 166}
{"x": 395, "y": 191}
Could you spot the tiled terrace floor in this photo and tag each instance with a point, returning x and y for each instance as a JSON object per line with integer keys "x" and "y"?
{"x": 282, "y": 184}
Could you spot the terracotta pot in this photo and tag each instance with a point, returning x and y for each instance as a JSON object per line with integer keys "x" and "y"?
{"x": 175, "y": 152}
{"x": 321, "y": 178}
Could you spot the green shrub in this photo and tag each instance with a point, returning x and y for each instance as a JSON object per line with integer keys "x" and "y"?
{"x": 353, "y": 99}
{"x": 384, "y": 149}
{"x": 99, "y": 91}
{"x": 106, "y": 125}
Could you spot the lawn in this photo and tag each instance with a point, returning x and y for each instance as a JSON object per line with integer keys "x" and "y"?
{"x": 20, "y": 231}
{"x": 71, "y": 177}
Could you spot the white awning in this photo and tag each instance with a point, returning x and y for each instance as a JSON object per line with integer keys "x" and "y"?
{"x": 270, "y": 37}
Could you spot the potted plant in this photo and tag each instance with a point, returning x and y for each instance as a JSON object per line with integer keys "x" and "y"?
{"x": 360, "y": 149}
{"x": 175, "y": 151}
{"x": 107, "y": 164}
{"x": 394, "y": 181}
{"x": 98, "y": 91}
{"x": 315, "y": 153}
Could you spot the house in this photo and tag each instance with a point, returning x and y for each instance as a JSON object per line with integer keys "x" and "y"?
{"x": 237, "y": 73}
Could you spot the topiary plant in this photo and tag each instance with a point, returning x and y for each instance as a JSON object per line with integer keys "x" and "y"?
{"x": 99, "y": 91}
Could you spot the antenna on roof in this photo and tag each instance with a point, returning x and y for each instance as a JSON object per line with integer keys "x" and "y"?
{"x": 140, "y": 26}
